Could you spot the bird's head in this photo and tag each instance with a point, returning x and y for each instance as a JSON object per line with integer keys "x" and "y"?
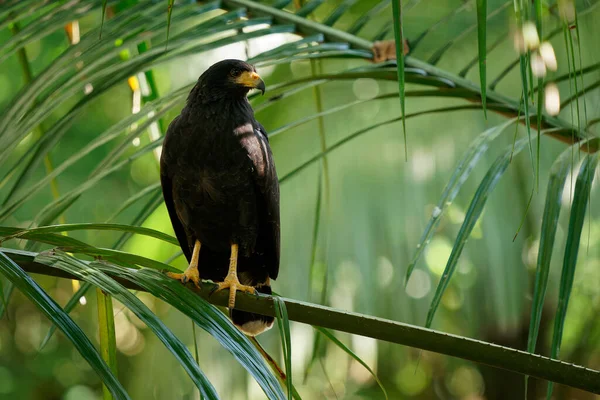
{"x": 230, "y": 78}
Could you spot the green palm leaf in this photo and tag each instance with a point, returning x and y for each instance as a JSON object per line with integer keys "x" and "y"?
{"x": 49, "y": 307}
{"x": 578, "y": 209}
{"x": 94, "y": 276}
{"x": 143, "y": 39}
{"x": 480, "y": 198}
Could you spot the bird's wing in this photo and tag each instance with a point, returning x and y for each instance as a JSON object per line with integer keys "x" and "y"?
{"x": 167, "y": 188}
{"x": 267, "y": 183}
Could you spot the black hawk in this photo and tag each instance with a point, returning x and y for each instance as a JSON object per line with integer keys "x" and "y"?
{"x": 221, "y": 188}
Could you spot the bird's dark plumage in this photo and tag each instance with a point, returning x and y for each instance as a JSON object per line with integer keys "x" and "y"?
{"x": 220, "y": 185}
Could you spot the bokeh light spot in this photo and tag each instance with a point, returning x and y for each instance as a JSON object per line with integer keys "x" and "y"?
{"x": 129, "y": 339}
{"x": 422, "y": 165}
{"x": 365, "y": 88}
{"x": 67, "y": 373}
{"x": 467, "y": 273}
{"x": 437, "y": 255}
{"x": 385, "y": 271}
{"x": 465, "y": 381}
{"x": 80, "y": 392}
{"x": 412, "y": 379}
{"x": 366, "y": 349}
{"x": 419, "y": 284}
{"x": 453, "y": 299}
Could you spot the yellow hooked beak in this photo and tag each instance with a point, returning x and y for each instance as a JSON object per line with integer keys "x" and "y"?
{"x": 251, "y": 80}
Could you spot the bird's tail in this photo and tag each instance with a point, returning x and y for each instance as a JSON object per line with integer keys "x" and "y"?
{"x": 250, "y": 323}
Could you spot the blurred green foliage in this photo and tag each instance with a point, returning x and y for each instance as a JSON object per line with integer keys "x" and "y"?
{"x": 378, "y": 207}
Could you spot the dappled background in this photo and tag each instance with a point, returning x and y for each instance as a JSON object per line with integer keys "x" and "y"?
{"x": 351, "y": 221}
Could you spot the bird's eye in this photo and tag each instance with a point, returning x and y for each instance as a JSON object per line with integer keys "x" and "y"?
{"x": 235, "y": 72}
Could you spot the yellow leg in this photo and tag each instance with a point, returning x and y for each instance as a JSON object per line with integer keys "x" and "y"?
{"x": 191, "y": 273}
{"x": 231, "y": 280}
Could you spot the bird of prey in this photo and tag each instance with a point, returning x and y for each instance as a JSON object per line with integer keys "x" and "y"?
{"x": 221, "y": 189}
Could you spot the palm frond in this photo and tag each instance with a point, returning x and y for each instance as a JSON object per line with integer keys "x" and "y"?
{"x": 48, "y": 306}
{"x": 209, "y": 318}
{"x": 141, "y": 39}
{"x": 578, "y": 210}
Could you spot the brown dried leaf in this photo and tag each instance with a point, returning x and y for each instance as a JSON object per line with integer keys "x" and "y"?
{"x": 386, "y": 50}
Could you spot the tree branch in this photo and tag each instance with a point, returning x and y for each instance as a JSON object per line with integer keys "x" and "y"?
{"x": 380, "y": 329}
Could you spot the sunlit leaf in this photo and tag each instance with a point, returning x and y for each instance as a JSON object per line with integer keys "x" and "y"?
{"x": 486, "y": 187}
{"x": 93, "y": 226}
{"x": 79, "y": 247}
{"x": 578, "y": 210}
{"x": 461, "y": 173}
{"x": 556, "y": 183}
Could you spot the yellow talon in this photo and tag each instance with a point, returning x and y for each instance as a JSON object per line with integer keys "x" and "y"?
{"x": 191, "y": 273}
{"x": 231, "y": 280}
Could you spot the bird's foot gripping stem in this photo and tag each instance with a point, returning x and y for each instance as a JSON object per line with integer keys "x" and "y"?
{"x": 231, "y": 280}
{"x": 233, "y": 283}
{"x": 191, "y": 273}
